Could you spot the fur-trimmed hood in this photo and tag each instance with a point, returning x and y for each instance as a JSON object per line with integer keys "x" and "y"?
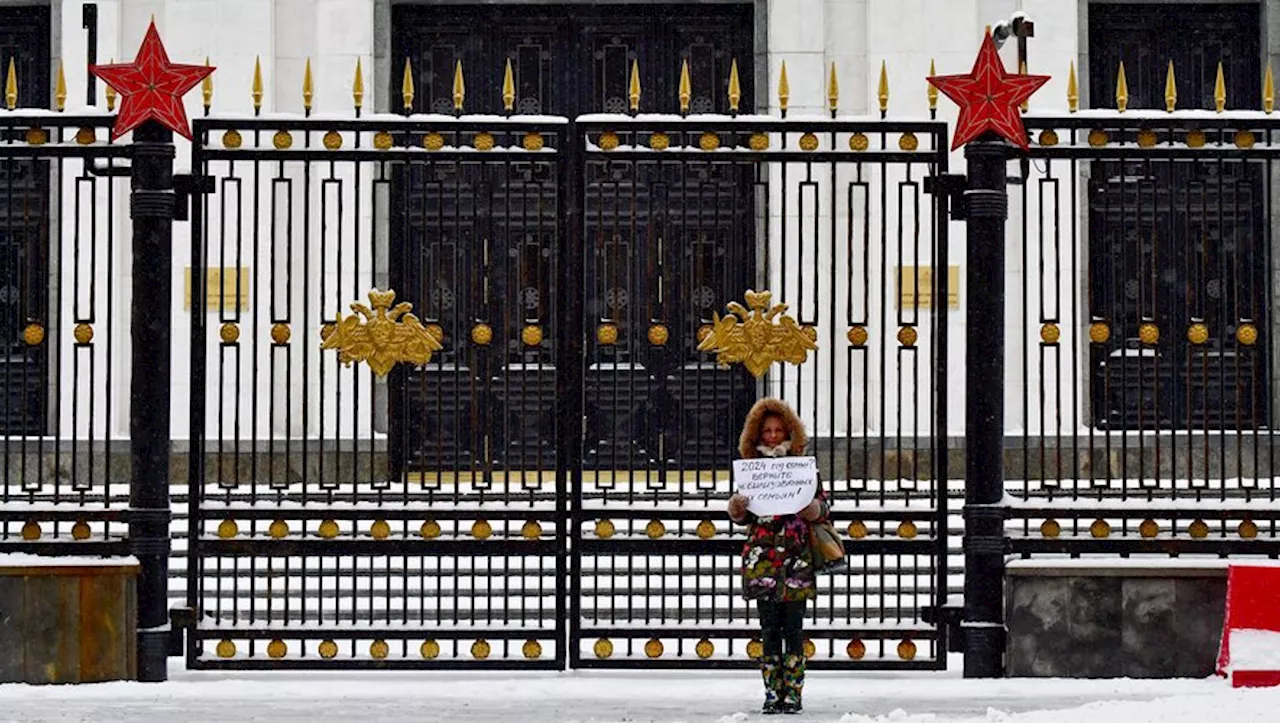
{"x": 755, "y": 419}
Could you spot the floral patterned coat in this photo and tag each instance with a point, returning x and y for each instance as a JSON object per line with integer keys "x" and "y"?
{"x": 777, "y": 562}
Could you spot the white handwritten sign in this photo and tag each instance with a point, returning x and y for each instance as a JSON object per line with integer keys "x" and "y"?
{"x": 777, "y": 486}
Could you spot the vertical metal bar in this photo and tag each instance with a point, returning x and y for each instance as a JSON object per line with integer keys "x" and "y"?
{"x": 569, "y": 390}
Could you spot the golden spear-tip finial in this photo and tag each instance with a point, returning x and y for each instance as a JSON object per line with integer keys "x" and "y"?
{"x": 111, "y": 93}
{"x": 406, "y": 85}
{"x": 357, "y": 86}
{"x": 11, "y": 86}
{"x": 308, "y": 87}
{"x": 1170, "y": 90}
{"x": 459, "y": 87}
{"x": 633, "y": 87}
{"x": 1219, "y": 90}
{"x": 206, "y": 88}
{"x": 1268, "y": 91}
{"x": 931, "y": 89}
{"x": 833, "y": 90}
{"x": 1122, "y": 90}
{"x": 735, "y": 87}
{"x": 784, "y": 89}
{"x": 1022, "y": 70}
{"x": 60, "y": 88}
{"x": 686, "y": 87}
{"x": 1073, "y": 91}
{"x": 257, "y": 84}
{"x": 509, "y": 88}
{"x": 882, "y": 92}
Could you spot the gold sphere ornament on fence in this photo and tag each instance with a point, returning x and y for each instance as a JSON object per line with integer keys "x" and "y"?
{"x": 37, "y": 137}
{"x": 1149, "y": 334}
{"x": 481, "y": 334}
{"x": 531, "y": 649}
{"x": 1098, "y": 138}
{"x": 1048, "y": 138}
{"x": 328, "y": 529}
{"x": 228, "y": 529}
{"x": 480, "y": 649}
{"x": 332, "y": 140}
{"x": 430, "y": 530}
{"x": 1247, "y": 530}
{"x": 1049, "y": 333}
{"x": 435, "y": 331}
{"x": 856, "y": 650}
{"x": 658, "y": 335}
{"x": 603, "y": 648}
{"x": 810, "y": 331}
{"x": 430, "y": 650}
{"x": 225, "y": 649}
{"x": 907, "y": 336}
{"x": 1100, "y": 529}
{"x": 858, "y": 529}
{"x": 328, "y": 649}
{"x": 232, "y": 139}
{"x": 908, "y": 142}
{"x": 86, "y": 136}
{"x": 859, "y": 142}
{"x": 604, "y": 529}
{"x": 531, "y": 335}
{"x": 1198, "y": 530}
{"x": 809, "y": 648}
{"x": 280, "y": 334}
{"x": 532, "y": 141}
{"x": 659, "y": 141}
{"x": 758, "y": 142}
{"x": 83, "y": 333}
{"x": 33, "y": 334}
{"x": 704, "y": 331}
{"x": 704, "y": 649}
{"x": 1148, "y": 528}
{"x": 531, "y": 530}
{"x": 1198, "y": 333}
{"x": 808, "y": 142}
{"x": 278, "y": 530}
{"x": 607, "y": 334}
{"x": 1245, "y": 139}
{"x": 653, "y": 648}
{"x": 383, "y": 141}
{"x": 708, "y": 141}
{"x": 1050, "y": 528}
{"x": 1099, "y": 332}
{"x": 1147, "y": 138}
{"x": 230, "y": 332}
{"x": 483, "y": 141}
{"x": 706, "y": 530}
{"x": 282, "y": 140}
{"x": 907, "y": 530}
{"x": 907, "y": 650}
{"x": 655, "y": 529}
{"x": 277, "y": 649}
{"x": 857, "y": 335}
{"x": 1247, "y": 334}
{"x": 481, "y": 530}
{"x": 380, "y": 530}
{"x": 1196, "y": 138}
{"x": 755, "y": 649}
{"x": 433, "y": 141}
{"x": 608, "y": 141}
{"x": 379, "y": 649}
{"x": 80, "y": 530}
{"x": 31, "y": 531}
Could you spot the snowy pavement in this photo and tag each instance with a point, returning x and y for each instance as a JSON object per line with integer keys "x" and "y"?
{"x": 631, "y": 697}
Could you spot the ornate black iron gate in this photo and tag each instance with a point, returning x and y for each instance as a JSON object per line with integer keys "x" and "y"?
{"x": 528, "y": 469}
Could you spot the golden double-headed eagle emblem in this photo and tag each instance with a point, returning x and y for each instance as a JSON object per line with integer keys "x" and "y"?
{"x": 758, "y": 337}
{"x": 386, "y": 335}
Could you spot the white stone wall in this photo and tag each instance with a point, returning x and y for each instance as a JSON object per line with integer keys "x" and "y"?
{"x": 857, "y": 35}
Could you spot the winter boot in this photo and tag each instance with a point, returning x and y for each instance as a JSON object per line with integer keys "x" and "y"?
{"x": 771, "y": 671}
{"x": 793, "y": 666}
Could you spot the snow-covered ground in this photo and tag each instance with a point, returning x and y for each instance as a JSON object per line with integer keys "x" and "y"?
{"x": 634, "y": 697}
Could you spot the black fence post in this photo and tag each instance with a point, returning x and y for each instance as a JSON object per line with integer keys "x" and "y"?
{"x": 152, "y": 210}
{"x": 986, "y": 202}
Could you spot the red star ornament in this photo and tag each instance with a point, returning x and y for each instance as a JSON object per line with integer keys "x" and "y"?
{"x": 989, "y": 97}
{"x": 151, "y": 88}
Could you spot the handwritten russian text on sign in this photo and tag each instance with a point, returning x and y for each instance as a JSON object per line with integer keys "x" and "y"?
{"x": 778, "y": 486}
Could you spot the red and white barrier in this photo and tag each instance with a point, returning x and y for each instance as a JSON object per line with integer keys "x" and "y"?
{"x": 1250, "y": 648}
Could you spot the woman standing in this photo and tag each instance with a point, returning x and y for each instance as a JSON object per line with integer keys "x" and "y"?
{"x": 777, "y": 561}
